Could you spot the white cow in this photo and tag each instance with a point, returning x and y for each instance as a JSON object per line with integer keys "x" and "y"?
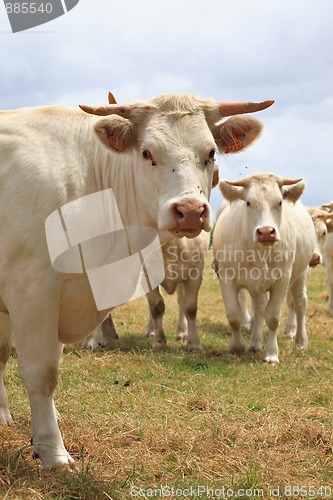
{"x": 319, "y": 218}
{"x": 263, "y": 242}
{"x": 158, "y": 157}
{"x": 328, "y": 253}
{"x": 184, "y": 261}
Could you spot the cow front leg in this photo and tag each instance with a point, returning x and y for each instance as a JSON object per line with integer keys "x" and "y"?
{"x": 35, "y": 328}
{"x": 300, "y": 302}
{"x": 272, "y": 316}
{"x": 189, "y": 304}
{"x": 246, "y": 316}
{"x": 5, "y": 346}
{"x": 259, "y": 304}
{"x": 156, "y": 310}
{"x": 291, "y": 325}
{"x": 182, "y": 329}
{"x": 234, "y": 315}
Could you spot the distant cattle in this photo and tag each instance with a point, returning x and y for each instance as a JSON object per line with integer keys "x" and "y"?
{"x": 184, "y": 261}
{"x": 157, "y": 156}
{"x": 328, "y": 253}
{"x": 263, "y": 242}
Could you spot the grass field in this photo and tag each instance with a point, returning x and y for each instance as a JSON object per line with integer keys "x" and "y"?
{"x": 219, "y": 424}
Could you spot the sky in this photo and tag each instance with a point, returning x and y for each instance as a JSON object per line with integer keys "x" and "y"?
{"x": 228, "y": 50}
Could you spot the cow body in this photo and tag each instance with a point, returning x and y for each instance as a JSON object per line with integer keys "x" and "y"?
{"x": 263, "y": 242}
{"x": 157, "y": 156}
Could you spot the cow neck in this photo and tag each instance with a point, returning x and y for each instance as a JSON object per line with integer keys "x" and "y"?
{"x": 118, "y": 171}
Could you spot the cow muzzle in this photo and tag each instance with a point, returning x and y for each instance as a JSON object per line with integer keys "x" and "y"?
{"x": 189, "y": 217}
{"x": 266, "y": 235}
{"x": 315, "y": 260}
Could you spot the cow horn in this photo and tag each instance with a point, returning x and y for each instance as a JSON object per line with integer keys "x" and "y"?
{"x": 240, "y": 183}
{"x": 112, "y": 99}
{"x": 111, "y": 109}
{"x": 288, "y": 182}
{"x": 240, "y": 108}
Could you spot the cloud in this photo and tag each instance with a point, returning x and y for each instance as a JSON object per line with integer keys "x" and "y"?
{"x": 237, "y": 50}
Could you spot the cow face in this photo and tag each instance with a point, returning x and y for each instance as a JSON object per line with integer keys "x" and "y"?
{"x": 320, "y": 218}
{"x": 263, "y": 196}
{"x": 174, "y": 140}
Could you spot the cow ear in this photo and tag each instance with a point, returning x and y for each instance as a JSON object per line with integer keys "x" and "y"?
{"x": 329, "y": 225}
{"x": 236, "y": 133}
{"x": 230, "y": 192}
{"x": 116, "y": 133}
{"x": 215, "y": 179}
{"x": 293, "y": 192}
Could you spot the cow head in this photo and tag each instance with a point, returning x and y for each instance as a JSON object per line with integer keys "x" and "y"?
{"x": 320, "y": 218}
{"x": 263, "y": 196}
{"x": 175, "y": 139}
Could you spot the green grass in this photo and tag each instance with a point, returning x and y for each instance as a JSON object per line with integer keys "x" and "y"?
{"x": 134, "y": 419}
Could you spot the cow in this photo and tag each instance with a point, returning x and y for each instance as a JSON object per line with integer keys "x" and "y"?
{"x": 157, "y": 155}
{"x": 327, "y": 252}
{"x": 319, "y": 218}
{"x": 328, "y": 262}
{"x": 263, "y": 242}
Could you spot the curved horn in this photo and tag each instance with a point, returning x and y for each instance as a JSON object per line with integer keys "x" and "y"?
{"x": 240, "y": 108}
{"x": 288, "y": 182}
{"x": 111, "y": 109}
{"x": 240, "y": 183}
{"x": 112, "y": 99}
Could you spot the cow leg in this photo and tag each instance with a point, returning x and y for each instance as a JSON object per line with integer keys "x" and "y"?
{"x": 156, "y": 309}
{"x": 272, "y": 316}
{"x": 104, "y": 336}
{"x": 35, "y": 328}
{"x": 182, "y": 321}
{"x": 291, "y": 324}
{"x": 329, "y": 274}
{"x": 259, "y": 304}
{"x": 246, "y": 317}
{"x": 234, "y": 315}
{"x": 5, "y": 346}
{"x": 300, "y": 301}
{"x": 190, "y": 308}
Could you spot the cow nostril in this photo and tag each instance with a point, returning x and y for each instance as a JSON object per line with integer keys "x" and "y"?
{"x": 178, "y": 213}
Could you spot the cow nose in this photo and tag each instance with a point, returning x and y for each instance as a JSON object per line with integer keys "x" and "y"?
{"x": 189, "y": 214}
{"x": 266, "y": 235}
{"x": 315, "y": 260}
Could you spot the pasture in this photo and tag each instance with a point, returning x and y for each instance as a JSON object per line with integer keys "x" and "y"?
{"x": 137, "y": 421}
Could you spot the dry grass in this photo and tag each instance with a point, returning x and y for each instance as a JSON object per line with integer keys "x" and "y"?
{"x": 134, "y": 419}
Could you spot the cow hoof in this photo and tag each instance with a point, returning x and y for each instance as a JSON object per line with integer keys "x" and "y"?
{"x": 301, "y": 345}
{"x": 195, "y": 348}
{"x": 159, "y": 347}
{"x": 290, "y": 332}
{"x": 256, "y": 348}
{"x": 182, "y": 336}
{"x": 237, "y": 348}
{"x": 5, "y": 416}
{"x": 273, "y": 359}
{"x": 63, "y": 464}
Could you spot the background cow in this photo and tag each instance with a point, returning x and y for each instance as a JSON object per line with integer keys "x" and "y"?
{"x": 263, "y": 242}
{"x": 158, "y": 157}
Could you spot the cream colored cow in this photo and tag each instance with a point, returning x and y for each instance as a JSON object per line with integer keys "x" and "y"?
{"x": 158, "y": 157}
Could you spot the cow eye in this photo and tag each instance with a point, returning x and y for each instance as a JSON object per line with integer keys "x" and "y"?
{"x": 212, "y": 153}
{"x": 146, "y": 154}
